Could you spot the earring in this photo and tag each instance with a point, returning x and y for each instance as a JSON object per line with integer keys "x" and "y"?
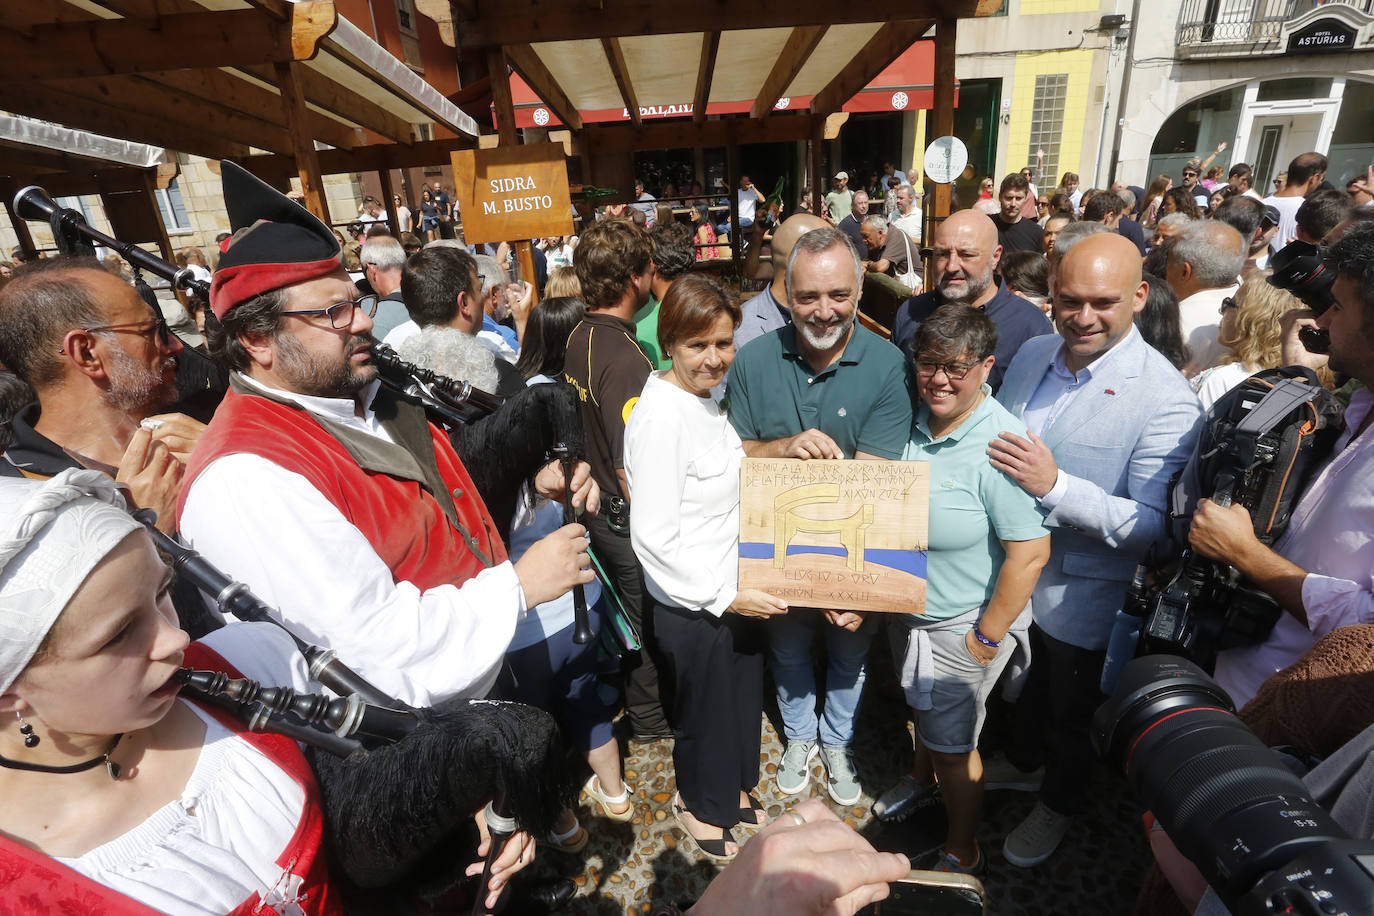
{"x": 25, "y": 729}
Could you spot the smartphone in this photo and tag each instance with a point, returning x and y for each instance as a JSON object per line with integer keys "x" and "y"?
{"x": 932, "y": 893}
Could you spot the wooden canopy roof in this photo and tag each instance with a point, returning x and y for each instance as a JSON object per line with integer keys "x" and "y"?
{"x": 218, "y": 78}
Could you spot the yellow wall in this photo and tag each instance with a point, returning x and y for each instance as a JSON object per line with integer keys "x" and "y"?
{"x": 1078, "y": 65}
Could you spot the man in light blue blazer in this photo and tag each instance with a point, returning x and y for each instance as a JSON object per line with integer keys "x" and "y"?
{"x": 1110, "y": 422}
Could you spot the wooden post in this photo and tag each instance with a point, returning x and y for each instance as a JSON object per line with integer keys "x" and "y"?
{"x": 302, "y": 142}
{"x": 942, "y": 120}
{"x": 817, "y": 142}
{"x": 21, "y": 228}
{"x": 505, "y": 128}
{"x": 388, "y": 194}
{"x": 731, "y": 181}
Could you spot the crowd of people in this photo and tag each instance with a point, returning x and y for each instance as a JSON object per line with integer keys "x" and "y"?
{"x": 1054, "y": 377}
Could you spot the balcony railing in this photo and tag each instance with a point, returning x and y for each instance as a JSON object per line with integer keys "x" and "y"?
{"x": 1236, "y": 25}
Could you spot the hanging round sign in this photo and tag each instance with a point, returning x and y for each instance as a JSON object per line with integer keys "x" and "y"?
{"x": 945, "y": 159}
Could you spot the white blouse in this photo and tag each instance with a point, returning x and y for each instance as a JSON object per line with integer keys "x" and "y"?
{"x": 682, "y": 461}
{"x": 217, "y": 844}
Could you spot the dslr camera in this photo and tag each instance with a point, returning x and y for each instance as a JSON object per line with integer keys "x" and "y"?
{"x": 1301, "y": 268}
{"x": 1231, "y": 805}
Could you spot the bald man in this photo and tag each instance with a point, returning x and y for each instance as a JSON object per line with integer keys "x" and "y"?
{"x": 966, "y": 254}
{"x": 770, "y": 310}
{"x": 1110, "y": 420}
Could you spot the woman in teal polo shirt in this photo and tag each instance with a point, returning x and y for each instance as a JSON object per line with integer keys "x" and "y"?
{"x": 987, "y": 546}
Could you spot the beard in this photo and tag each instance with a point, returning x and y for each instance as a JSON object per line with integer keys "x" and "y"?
{"x": 825, "y": 335}
{"x": 974, "y": 286}
{"x": 134, "y": 388}
{"x": 321, "y": 376}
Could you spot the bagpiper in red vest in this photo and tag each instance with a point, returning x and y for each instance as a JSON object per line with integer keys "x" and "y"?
{"x": 413, "y": 501}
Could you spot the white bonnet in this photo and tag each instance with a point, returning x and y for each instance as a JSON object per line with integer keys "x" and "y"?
{"x": 52, "y": 534}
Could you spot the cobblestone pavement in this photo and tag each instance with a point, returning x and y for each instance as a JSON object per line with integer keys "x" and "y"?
{"x": 631, "y": 867}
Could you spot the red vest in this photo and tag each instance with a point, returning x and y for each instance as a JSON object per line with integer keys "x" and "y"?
{"x": 36, "y": 884}
{"x": 400, "y": 518}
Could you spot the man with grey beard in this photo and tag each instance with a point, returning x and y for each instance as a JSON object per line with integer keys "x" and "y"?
{"x": 820, "y": 387}
{"x": 965, "y": 259}
{"x": 103, "y": 365}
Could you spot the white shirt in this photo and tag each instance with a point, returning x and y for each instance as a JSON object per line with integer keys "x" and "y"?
{"x": 1288, "y": 220}
{"x": 1211, "y": 384}
{"x": 748, "y": 203}
{"x": 216, "y": 845}
{"x": 1056, "y": 391}
{"x": 682, "y": 461}
{"x": 910, "y": 224}
{"x": 400, "y": 334}
{"x": 270, "y": 528}
{"x": 1200, "y": 322}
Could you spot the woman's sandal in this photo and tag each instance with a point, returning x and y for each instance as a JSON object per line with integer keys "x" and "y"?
{"x": 713, "y": 849}
{"x": 754, "y": 815}
{"x": 594, "y": 791}
{"x": 573, "y": 840}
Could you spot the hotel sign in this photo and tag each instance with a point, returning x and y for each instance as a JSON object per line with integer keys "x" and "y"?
{"x": 1322, "y": 35}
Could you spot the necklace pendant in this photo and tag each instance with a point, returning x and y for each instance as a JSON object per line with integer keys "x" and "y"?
{"x": 112, "y": 768}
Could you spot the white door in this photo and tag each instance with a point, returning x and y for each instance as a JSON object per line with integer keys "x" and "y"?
{"x": 1275, "y": 140}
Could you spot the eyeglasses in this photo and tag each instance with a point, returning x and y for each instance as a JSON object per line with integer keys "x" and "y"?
{"x": 955, "y": 372}
{"x": 147, "y": 329}
{"x": 341, "y": 313}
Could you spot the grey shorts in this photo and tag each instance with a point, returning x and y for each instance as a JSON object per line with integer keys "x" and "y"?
{"x": 959, "y": 693}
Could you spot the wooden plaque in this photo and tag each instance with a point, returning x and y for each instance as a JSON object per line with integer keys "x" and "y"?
{"x": 512, "y": 192}
{"x": 841, "y": 535}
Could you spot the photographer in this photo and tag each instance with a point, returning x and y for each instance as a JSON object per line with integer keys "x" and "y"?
{"x": 1319, "y": 571}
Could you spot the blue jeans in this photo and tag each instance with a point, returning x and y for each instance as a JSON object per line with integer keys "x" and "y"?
{"x": 790, "y": 637}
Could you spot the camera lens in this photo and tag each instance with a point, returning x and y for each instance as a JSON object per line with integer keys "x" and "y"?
{"x": 1300, "y": 268}
{"x": 1227, "y": 801}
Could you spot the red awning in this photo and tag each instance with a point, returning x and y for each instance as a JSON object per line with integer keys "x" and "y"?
{"x": 906, "y": 85}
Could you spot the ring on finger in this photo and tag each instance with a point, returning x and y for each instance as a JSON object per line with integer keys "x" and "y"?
{"x": 797, "y": 818}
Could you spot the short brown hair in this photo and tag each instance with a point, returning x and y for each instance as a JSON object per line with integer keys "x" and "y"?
{"x": 605, "y": 257}
{"x": 690, "y": 307}
{"x": 953, "y": 330}
{"x": 1014, "y": 182}
{"x": 44, "y": 301}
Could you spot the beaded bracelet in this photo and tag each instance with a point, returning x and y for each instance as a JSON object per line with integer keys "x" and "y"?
{"x": 990, "y": 643}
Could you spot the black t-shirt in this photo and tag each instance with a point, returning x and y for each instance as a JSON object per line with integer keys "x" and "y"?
{"x": 1022, "y": 235}
{"x": 608, "y": 368}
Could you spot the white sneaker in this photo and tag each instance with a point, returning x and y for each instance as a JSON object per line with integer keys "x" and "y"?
{"x": 841, "y": 781}
{"x": 1037, "y": 837}
{"x": 794, "y": 770}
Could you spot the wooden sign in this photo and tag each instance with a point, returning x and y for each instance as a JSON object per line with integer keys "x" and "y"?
{"x": 512, "y": 192}
{"x": 838, "y": 535}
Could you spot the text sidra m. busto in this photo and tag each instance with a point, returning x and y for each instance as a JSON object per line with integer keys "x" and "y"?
{"x": 515, "y": 204}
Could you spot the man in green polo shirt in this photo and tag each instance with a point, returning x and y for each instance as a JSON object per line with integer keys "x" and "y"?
{"x": 822, "y": 387}
{"x": 674, "y": 254}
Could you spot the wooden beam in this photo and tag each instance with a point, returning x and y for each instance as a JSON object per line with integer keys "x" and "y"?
{"x": 275, "y": 170}
{"x": 105, "y": 47}
{"x": 164, "y": 242}
{"x": 795, "y": 53}
{"x": 518, "y": 21}
{"x": 393, "y": 217}
{"x": 323, "y": 92}
{"x": 143, "y": 97}
{"x": 38, "y": 101}
{"x": 683, "y": 134}
{"x": 307, "y": 161}
{"x": 31, "y": 158}
{"x": 706, "y": 71}
{"x": 615, "y": 57}
{"x": 816, "y": 142}
{"x": 942, "y": 118}
{"x": 226, "y": 89}
{"x": 501, "y": 97}
{"x": 526, "y": 62}
{"x": 882, "y": 49}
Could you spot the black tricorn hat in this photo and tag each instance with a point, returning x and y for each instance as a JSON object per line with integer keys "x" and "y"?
{"x": 276, "y": 242}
